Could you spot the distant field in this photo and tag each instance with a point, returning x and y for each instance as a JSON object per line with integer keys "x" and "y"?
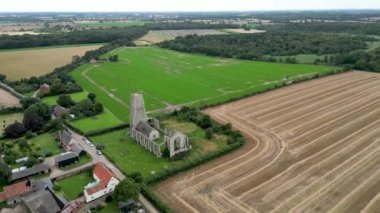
{"x": 7, "y": 119}
{"x": 96, "y": 24}
{"x": 169, "y": 79}
{"x": 17, "y": 64}
{"x": 244, "y": 31}
{"x": 156, "y": 36}
{"x": 8, "y": 100}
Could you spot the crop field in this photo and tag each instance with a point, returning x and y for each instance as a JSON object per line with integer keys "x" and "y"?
{"x": 312, "y": 147}
{"x": 169, "y": 79}
{"x": 8, "y": 100}
{"x": 156, "y": 36}
{"x": 97, "y": 24}
{"x": 24, "y": 63}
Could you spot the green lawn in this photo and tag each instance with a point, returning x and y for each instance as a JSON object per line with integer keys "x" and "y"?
{"x": 74, "y": 185}
{"x": 7, "y": 119}
{"x": 109, "y": 208}
{"x": 45, "y": 143}
{"x": 168, "y": 77}
{"x": 132, "y": 157}
{"x": 104, "y": 120}
{"x": 52, "y": 100}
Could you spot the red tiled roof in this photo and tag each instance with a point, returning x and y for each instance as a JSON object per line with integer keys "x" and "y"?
{"x": 15, "y": 190}
{"x": 104, "y": 175}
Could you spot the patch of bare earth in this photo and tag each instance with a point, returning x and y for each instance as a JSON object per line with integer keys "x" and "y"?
{"x": 312, "y": 147}
{"x": 8, "y": 100}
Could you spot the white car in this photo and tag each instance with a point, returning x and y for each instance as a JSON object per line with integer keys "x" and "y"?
{"x": 98, "y": 152}
{"x": 91, "y": 144}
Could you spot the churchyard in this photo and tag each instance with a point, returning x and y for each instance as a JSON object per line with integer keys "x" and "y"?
{"x": 128, "y": 155}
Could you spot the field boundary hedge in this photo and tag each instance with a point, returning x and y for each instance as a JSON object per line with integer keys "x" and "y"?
{"x": 106, "y": 130}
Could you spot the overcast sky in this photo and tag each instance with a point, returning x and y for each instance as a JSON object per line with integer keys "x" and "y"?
{"x": 182, "y": 5}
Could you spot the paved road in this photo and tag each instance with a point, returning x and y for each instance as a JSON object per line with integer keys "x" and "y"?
{"x": 101, "y": 158}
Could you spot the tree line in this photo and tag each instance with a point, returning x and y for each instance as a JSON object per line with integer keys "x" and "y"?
{"x": 328, "y": 27}
{"x": 273, "y": 43}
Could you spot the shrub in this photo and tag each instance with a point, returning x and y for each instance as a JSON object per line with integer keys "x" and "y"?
{"x": 109, "y": 199}
{"x": 209, "y": 133}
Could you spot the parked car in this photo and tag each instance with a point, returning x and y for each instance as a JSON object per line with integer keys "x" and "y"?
{"x": 90, "y": 144}
{"x": 98, "y": 152}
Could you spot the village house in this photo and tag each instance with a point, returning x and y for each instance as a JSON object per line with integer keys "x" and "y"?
{"x": 105, "y": 183}
{"x": 13, "y": 193}
{"x": 69, "y": 144}
{"x": 35, "y": 170}
{"x": 59, "y": 111}
{"x": 45, "y": 88}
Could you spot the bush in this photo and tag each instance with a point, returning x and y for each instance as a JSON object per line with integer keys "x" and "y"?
{"x": 137, "y": 177}
{"x": 109, "y": 199}
{"x": 30, "y": 135}
{"x": 15, "y": 130}
{"x": 209, "y": 133}
{"x": 57, "y": 187}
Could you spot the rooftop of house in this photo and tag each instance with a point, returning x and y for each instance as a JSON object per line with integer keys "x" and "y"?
{"x": 104, "y": 175}
{"x": 66, "y": 156}
{"x": 76, "y": 148}
{"x": 65, "y": 137}
{"x": 16, "y": 189}
{"x": 41, "y": 202}
{"x": 30, "y": 171}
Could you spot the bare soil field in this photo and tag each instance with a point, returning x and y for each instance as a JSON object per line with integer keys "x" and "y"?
{"x": 312, "y": 147}
{"x": 17, "y": 64}
{"x": 156, "y": 36}
{"x": 8, "y": 100}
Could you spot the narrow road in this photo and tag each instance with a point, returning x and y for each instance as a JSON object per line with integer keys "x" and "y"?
{"x": 101, "y": 158}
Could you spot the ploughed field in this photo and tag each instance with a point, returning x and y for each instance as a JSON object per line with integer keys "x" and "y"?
{"x": 312, "y": 147}
{"x": 24, "y": 63}
{"x": 169, "y": 79}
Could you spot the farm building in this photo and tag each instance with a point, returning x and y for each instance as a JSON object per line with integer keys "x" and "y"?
{"x": 42, "y": 201}
{"x": 35, "y": 170}
{"x": 44, "y": 88}
{"x": 76, "y": 148}
{"x": 66, "y": 159}
{"x": 105, "y": 183}
{"x": 12, "y": 194}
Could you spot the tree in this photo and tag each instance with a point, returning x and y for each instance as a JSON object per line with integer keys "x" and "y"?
{"x": 126, "y": 189}
{"x": 209, "y": 133}
{"x": 136, "y": 176}
{"x": 33, "y": 122}
{"x": 2, "y": 77}
{"x": 65, "y": 101}
{"x": 28, "y": 101}
{"x": 91, "y": 96}
{"x": 15, "y": 130}
{"x": 4, "y": 172}
{"x": 31, "y": 162}
{"x": 98, "y": 108}
{"x": 41, "y": 109}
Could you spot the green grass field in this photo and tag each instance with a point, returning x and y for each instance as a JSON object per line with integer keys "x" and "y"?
{"x": 104, "y": 120}
{"x": 170, "y": 78}
{"x": 132, "y": 157}
{"x": 74, "y": 185}
{"x": 8, "y": 119}
{"x": 52, "y": 100}
{"x": 45, "y": 143}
